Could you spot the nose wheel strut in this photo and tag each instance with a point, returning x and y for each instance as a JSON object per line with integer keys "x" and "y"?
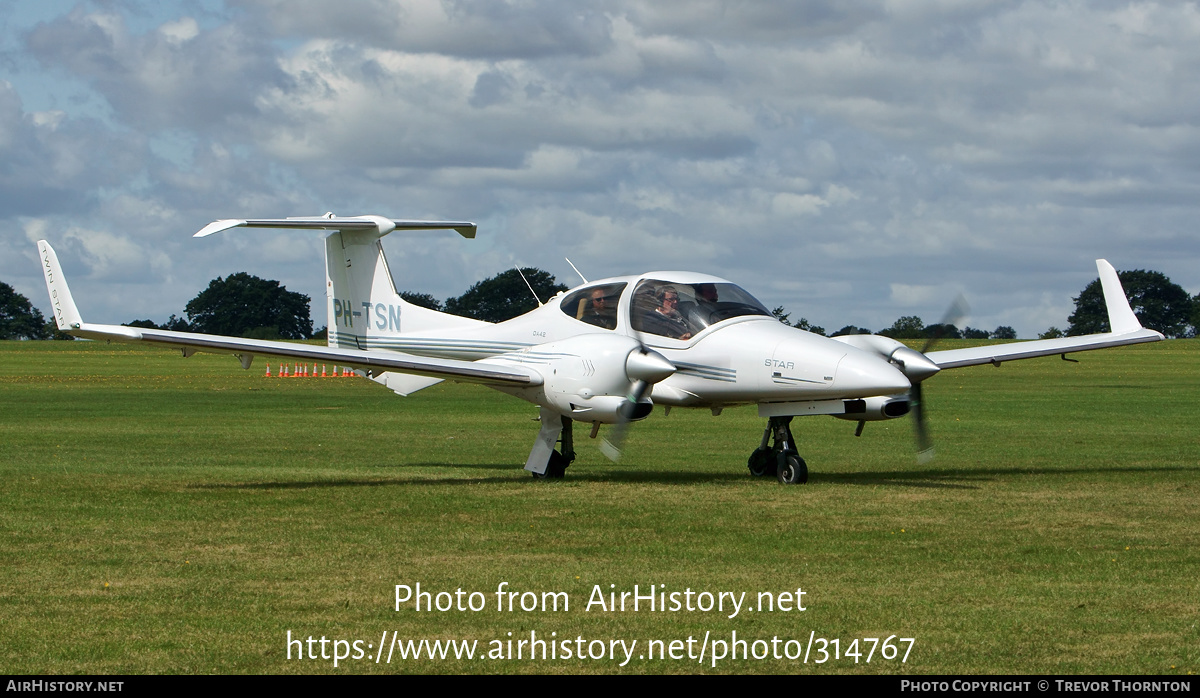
{"x": 780, "y": 458}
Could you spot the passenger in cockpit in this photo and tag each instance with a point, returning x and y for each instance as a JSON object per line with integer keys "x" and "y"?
{"x": 697, "y": 313}
{"x": 600, "y": 312}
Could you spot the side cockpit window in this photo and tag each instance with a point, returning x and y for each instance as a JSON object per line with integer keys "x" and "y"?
{"x": 595, "y": 305}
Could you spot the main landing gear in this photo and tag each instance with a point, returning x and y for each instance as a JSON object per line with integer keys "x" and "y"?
{"x": 781, "y": 458}
{"x": 546, "y": 462}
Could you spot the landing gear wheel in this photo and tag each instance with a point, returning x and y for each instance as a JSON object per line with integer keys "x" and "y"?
{"x": 761, "y": 461}
{"x": 555, "y": 469}
{"x": 793, "y": 470}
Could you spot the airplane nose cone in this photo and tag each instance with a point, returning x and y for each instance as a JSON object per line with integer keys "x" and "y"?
{"x": 914, "y": 364}
{"x": 649, "y": 366}
{"x": 860, "y": 374}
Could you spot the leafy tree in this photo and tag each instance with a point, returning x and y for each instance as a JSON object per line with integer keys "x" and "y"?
{"x": 1004, "y": 332}
{"x": 504, "y": 296}
{"x": 940, "y": 331}
{"x": 173, "y": 323}
{"x": 18, "y": 318}
{"x": 144, "y": 324}
{"x": 176, "y": 324}
{"x": 424, "y": 300}
{"x": 906, "y": 327}
{"x": 972, "y": 333}
{"x": 801, "y": 324}
{"x": 52, "y": 332}
{"x": 850, "y": 329}
{"x": 1052, "y": 333}
{"x": 1157, "y": 303}
{"x": 242, "y": 305}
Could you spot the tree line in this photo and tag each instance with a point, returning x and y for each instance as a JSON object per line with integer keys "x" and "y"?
{"x": 243, "y": 305}
{"x": 1158, "y": 303}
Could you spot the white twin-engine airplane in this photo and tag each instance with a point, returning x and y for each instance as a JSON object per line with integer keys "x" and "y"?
{"x": 606, "y": 352}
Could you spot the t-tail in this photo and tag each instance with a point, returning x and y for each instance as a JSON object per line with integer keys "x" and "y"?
{"x": 363, "y": 303}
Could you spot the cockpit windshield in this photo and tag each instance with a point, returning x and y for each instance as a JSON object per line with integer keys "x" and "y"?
{"x": 681, "y": 311}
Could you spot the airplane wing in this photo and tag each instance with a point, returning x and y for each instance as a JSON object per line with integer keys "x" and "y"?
{"x": 69, "y": 320}
{"x": 997, "y": 353}
{"x": 1126, "y": 329}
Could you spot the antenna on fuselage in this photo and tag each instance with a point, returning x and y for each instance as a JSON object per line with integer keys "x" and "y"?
{"x": 535, "y": 296}
{"x": 576, "y": 270}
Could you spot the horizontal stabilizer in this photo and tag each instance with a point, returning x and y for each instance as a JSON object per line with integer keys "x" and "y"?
{"x": 378, "y": 224}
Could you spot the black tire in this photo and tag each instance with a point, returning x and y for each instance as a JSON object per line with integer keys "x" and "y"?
{"x": 555, "y": 469}
{"x": 792, "y": 471}
{"x": 761, "y": 462}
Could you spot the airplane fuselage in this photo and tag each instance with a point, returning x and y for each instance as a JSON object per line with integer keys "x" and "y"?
{"x": 745, "y": 359}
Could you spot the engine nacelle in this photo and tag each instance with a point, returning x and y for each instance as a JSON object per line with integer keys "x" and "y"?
{"x": 589, "y": 377}
{"x": 913, "y": 364}
{"x": 606, "y": 409}
{"x": 876, "y": 409}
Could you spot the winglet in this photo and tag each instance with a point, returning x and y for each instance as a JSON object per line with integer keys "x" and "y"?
{"x": 1120, "y": 316}
{"x": 218, "y": 226}
{"x": 65, "y": 313}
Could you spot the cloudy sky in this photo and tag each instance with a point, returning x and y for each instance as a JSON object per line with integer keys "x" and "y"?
{"x": 854, "y": 162}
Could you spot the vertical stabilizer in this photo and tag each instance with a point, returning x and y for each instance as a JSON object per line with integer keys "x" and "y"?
{"x": 65, "y": 313}
{"x": 365, "y": 309}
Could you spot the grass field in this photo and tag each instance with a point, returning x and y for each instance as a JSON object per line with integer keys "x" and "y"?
{"x": 181, "y": 516}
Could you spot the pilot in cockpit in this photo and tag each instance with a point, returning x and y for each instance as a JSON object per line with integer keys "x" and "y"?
{"x": 665, "y": 319}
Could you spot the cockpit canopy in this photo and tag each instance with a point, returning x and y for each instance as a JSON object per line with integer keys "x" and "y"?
{"x": 662, "y": 307}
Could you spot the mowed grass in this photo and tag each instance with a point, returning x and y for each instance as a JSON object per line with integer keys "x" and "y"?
{"x": 181, "y": 516}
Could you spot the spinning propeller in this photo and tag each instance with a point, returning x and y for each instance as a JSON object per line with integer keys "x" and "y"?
{"x": 917, "y": 367}
{"x": 644, "y": 367}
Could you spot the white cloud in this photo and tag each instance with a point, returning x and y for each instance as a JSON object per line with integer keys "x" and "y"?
{"x": 113, "y": 257}
{"x": 860, "y": 148}
{"x": 184, "y": 29}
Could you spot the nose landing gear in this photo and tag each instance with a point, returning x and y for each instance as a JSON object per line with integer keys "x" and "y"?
{"x": 781, "y": 458}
